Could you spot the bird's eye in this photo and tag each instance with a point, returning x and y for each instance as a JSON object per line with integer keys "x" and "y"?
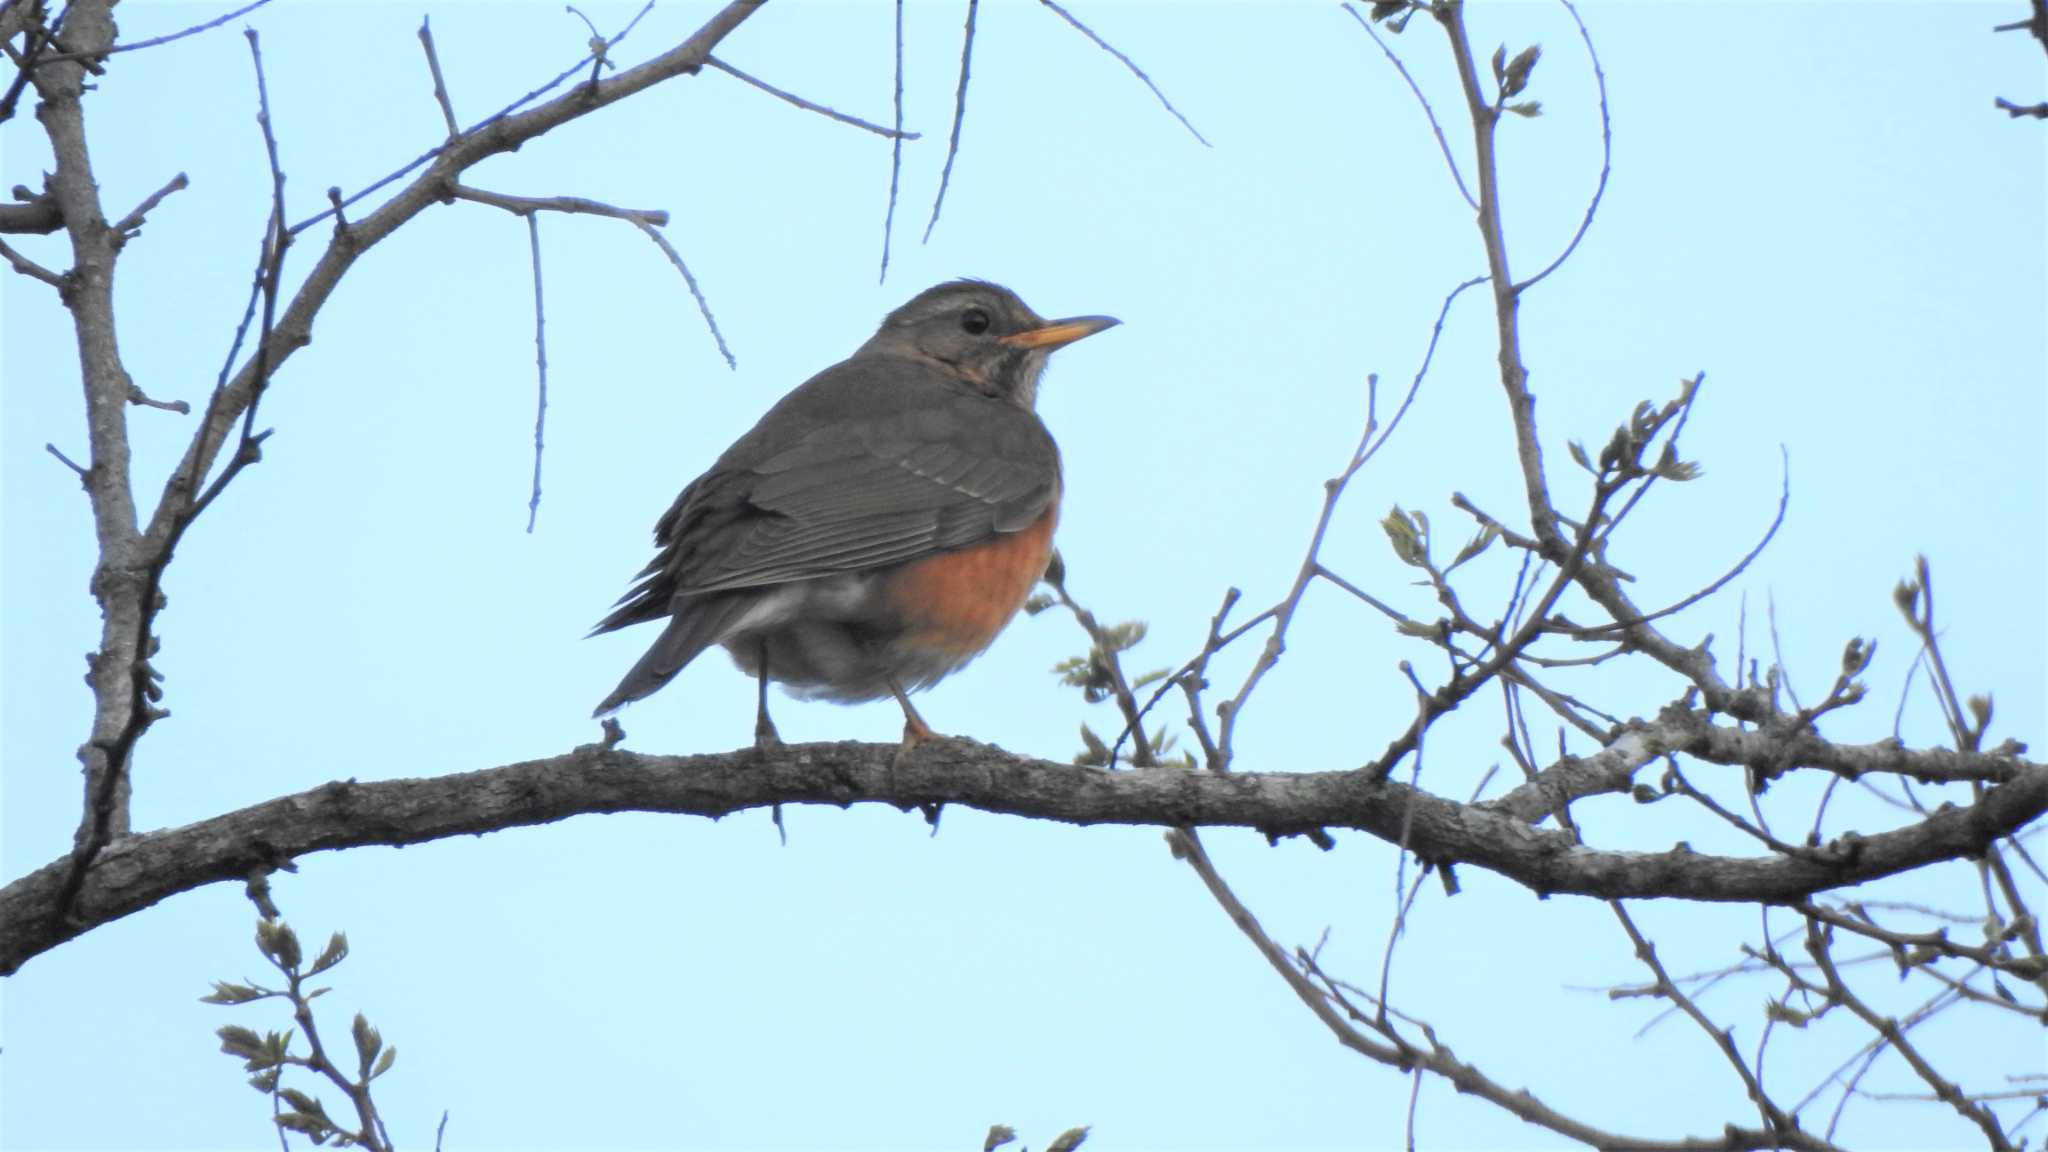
{"x": 974, "y": 321}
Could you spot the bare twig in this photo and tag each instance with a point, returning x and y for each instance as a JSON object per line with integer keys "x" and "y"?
{"x": 1396, "y": 1051}
{"x": 730, "y": 15}
{"x": 35, "y": 44}
{"x": 440, "y": 85}
{"x": 1132, "y": 66}
{"x": 83, "y": 476}
{"x": 1775, "y": 1120}
{"x": 1606, "y": 153}
{"x": 1742, "y": 565}
{"x": 648, "y": 221}
{"x": 959, "y": 116}
{"x": 792, "y": 98}
{"x": 138, "y": 397}
{"x": 154, "y": 41}
{"x": 569, "y": 205}
{"x": 132, "y": 223}
{"x": 36, "y": 215}
{"x": 895, "y": 152}
{"x": 540, "y": 366}
{"x": 1443, "y": 144}
{"x": 703, "y": 305}
{"x": 1890, "y": 1031}
{"x": 30, "y": 268}
{"x": 1514, "y": 375}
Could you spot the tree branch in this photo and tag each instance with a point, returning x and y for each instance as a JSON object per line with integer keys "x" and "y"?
{"x": 136, "y": 872}
{"x": 37, "y": 216}
{"x": 506, "y": 134}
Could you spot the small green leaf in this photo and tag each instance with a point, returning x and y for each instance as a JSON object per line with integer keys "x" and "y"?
{"x": 301, "y": 1102}
{"x": 1856, "y": 656}
{"x": 236, "y": 1040}
{"x": 998, "y": 1135}
{"x": 316, "y": 1128}
{"x": 275, "y": 939}
{"x": 1407, "y": 537}
{"x": 1980, "y": 709}
{"x": 1670, "y": 467}
{"x": 277, "y": 1047}
{"x": 384, "y": 1062}
{"x": 368, "y": 1043}
{"x": 1500, "y": 62}
{"x": 1488, "y": 533}
{"x": 1038, "y": 602}
{"x": 1119, "y": 637}
{"x": 335, "y": 952}
{"x": 1775, "y": 1010}
{"x": 1907, "y": 597}
{"x": 1578, "y": 453}
{"x": 1516, "y": 77}
{"x": 1095, "y": 753}
{"x": 1527, "y": 109}
{"x": 1069, "y": 1140}
{"x": 226, "y": 993}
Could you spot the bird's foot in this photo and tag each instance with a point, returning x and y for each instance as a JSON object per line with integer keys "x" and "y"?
{"x": 766, "y": 738}
{"x": 915, "y": 732}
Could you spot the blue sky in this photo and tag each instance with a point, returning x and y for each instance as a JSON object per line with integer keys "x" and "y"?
{"x": 1814, "y": 204}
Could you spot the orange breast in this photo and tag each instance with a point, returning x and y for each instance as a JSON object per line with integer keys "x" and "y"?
{"x": 957, "y": 602}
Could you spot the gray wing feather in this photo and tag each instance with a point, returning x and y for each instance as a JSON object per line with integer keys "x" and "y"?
{"x": 823, "y": 485}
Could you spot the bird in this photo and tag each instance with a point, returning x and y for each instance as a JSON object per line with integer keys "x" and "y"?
{"x": 878, "y": 527}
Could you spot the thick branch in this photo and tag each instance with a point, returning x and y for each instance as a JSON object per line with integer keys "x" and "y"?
{"x": 120, "y": 581}
{"x": 135, "y": 873}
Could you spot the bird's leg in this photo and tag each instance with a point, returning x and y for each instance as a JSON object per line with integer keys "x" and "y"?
{"x": 766, "y": 739}
{"x": 915, "y": 730}
{"x": 765, "y": 736}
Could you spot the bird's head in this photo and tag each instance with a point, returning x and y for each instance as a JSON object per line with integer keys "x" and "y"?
{"x": 983, "y": 332}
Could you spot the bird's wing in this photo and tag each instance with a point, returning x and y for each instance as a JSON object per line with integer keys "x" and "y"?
{"x": 872, "y": 463}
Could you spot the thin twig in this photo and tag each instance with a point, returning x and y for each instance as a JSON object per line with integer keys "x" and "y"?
{"x": 571, "y": 205}
{"x": 648, "y": 220}
{"x": 1132, "y": 66}
{"x": 130, "y": 224}
{"x": 959, "y": 115}
{"x": 1606, "y": 154}
{"x": 34, "y": 42}
{"x": 154, "y": 41}
{"x": 269, "y": 274}
{"x": 1442, "y": 143}
{"x": 440, "y": 85}
{"x": 142, "y": 399}
{"x": 540, "y": 365}
{"x": 84, "y": 477}
{"x": 703, "y": 305}
{"x": 30, "y": 268}
{"x": 335, "y": 208}
{"x": 895, "y": 153}
{"x": 896, "y": 133}
{"x": 1748, "y": 558}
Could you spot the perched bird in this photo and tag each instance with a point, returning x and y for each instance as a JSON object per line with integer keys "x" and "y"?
{"x": 879, "y": 526}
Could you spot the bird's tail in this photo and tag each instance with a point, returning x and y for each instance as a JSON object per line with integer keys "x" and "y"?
{"x": 694, "y": 626}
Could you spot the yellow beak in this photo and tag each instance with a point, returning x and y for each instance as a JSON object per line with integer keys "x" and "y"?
{"x": 1058, "y": 333}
